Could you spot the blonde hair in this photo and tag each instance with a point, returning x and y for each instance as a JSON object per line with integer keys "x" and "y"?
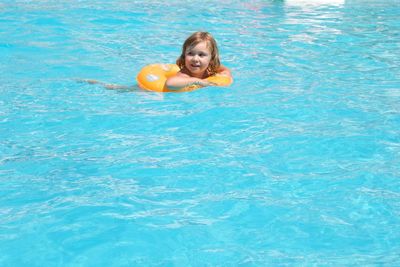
{"x": 194, "y": 40}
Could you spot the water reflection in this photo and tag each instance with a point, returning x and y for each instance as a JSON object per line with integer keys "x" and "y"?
{"x": 308, "y": 3}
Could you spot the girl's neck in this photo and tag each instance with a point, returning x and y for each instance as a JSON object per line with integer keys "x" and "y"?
{"x": 200, "y": 76}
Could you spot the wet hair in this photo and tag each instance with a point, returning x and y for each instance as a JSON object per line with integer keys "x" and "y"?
{"x": 194, "y": 40}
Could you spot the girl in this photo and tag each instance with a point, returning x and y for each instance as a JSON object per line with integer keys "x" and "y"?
{"x": 198, "y": 61}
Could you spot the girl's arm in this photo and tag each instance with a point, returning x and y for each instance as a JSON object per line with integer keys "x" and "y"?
{"x": 181, "y": 80}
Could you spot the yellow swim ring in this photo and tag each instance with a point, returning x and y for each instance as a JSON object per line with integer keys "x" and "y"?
{"x": 153, "y": 77}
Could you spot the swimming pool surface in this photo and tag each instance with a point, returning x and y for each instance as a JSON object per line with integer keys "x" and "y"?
{"x": 296, "y": 164}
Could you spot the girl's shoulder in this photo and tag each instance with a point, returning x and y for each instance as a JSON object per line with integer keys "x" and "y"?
{"x": 183, "y": 73}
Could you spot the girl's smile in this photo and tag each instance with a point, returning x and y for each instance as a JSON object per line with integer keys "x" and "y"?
{"x": 197, "y": 59}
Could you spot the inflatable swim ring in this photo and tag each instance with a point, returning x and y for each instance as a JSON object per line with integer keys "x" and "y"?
{"x": 153, "y": 77}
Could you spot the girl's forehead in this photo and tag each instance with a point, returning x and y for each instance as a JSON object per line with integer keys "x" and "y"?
{"x": 199, "y": 45}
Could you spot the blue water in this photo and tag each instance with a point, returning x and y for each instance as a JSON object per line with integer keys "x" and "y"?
{"x": 296, "y": 164}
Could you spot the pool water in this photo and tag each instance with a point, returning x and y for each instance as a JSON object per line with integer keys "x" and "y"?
{"x": 296, "y": 163}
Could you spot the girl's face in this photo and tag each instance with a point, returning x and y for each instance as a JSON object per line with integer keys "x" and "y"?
{"x": 197, "y": 59}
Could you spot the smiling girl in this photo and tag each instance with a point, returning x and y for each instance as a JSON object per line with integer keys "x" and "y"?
{"x": 198, "y": 61}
